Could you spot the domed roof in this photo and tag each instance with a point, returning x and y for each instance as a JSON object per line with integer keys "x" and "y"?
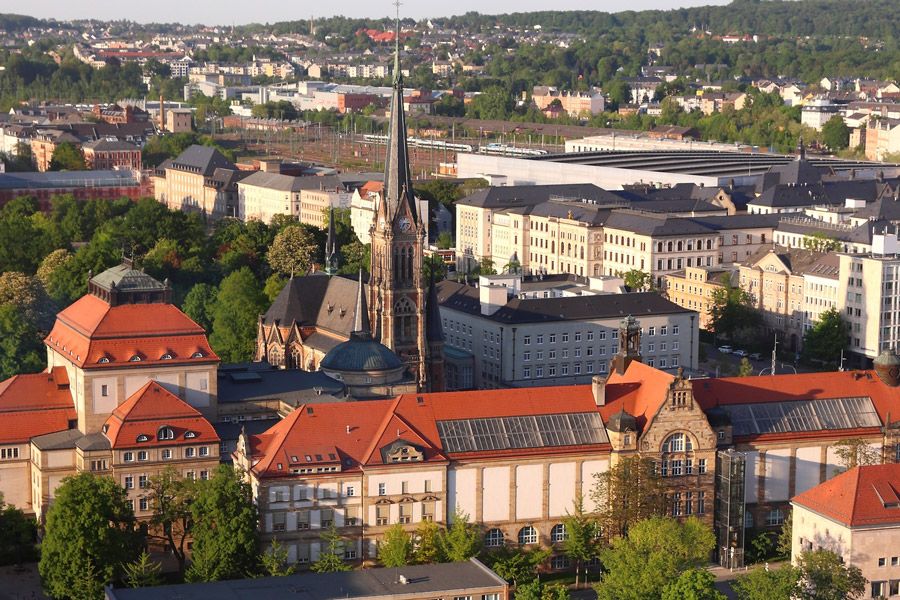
{"x": 621, "y": 422}
{"x": 887, "y": 367}
{"x": 360, "y": 353}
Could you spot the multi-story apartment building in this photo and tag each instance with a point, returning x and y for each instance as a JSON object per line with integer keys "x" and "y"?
{"x": 575, "y": 104}
{"x": 694, "y": 289}
{"x": 529, "y": 334}
{"x": 199, "y": 179}
{"x": 320, "y": 194}
{"x": 363, "y": 205}
{"x": 105, "y": 154}
{"x": 868, "y": 298}
{"x": 262, "y": 195}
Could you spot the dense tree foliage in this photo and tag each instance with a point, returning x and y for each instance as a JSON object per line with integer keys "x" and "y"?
{"x": 396, "y": 549}
{"x": 88, "y": 537}
{"x": 627, "y": 493}
{"x": 825, "y": 340}
{"x": 767, "y": 584}
{"x": 18, "y": 533}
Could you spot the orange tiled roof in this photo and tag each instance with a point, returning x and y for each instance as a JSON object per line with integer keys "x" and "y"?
{"x": 640, "y": 390}
{"x": 863, "y": 496}
{"x": 35, "y": 404}
{"x": 90, "y": 330}
{"x": 150, "y": 408}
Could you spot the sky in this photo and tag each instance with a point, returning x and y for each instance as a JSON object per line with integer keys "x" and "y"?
{"x": 239, "y": 12}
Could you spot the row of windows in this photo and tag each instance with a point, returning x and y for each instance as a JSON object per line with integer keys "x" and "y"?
{"x": 688, "y": 503}
{"x": 494, "y": 538}
{"x": 143, "y": 481}
{"x": 166, "y": 454}
{"x": 9, "y": 453}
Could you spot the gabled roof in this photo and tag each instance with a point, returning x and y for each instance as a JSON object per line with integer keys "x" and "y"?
{"x": 316, "y": 300}
{"x": 640, "y": 391}
{"x": 149, "y": 409}
{"x": 92, "y": 333}
{"x": 861, "y": 497}
{"x": 201, "y": 159}
{"x": 35, "y": 392}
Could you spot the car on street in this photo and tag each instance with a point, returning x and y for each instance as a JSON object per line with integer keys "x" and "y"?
{"x": 740, "y": 353}
{"x": 755, "y": 356}
{"x": 725, "y": 349}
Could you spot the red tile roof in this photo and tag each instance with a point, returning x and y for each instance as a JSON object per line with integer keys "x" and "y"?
{"x": 90, "y": 330}
{"x": 35, "y": 404}
{"x": 863, "y": 496}
{"x": 640, "y": 390}
{"x": 725, "y": 391}
{"x": 149, "y": 409}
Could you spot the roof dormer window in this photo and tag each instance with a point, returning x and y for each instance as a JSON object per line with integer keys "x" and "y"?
{"x": 165, "y": 433}
{"x": 189, "y": 435}
{"x": 166, "y": 356}
{"x": 135, "y": 358}
{"x": 103, "y": 360}
{"x": 198, "y": 354}
{"x": 143, "y": 438}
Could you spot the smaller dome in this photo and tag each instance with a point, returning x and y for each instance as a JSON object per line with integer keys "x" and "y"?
{"x": 360, "y": 354}
{"x": 622, "y": 422}
{"x": 887, "y": 367}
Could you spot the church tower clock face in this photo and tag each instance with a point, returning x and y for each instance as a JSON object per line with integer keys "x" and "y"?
{"x": 404, "y": 223}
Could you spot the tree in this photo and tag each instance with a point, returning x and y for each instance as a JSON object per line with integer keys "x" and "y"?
{"x": 823, "y": 576}
{"x": 693, "y": 584}
{"x": 332, "y": 559}
{"x": 433, "y": 268}
{"x": 516, "y": 565}
{"x": 580, "y": 544}
{"x": 20, "y": 344}
{"x": 484, "y": 267}
{"x": 821, "y": 243}
{"x": 493, "y": 103}
{"x": 53, "y": 261}
{"x": 784, "y": 545}
{"x": 626, "y": 494}
{"x": 731, "y": 310}
{"x": 856, "y": 452}
{"x": 444, "y": 240}
{"x": 67, "y": 157}
{"x": 653, "y": 555}
{"x": 88, "y": 536}
{"x": 199, "y": 304}
{"x": 142, "y": 572}
{"x": 274, "y": 284}
{"x": 555, "y": 591}
{"x": 619, "y": 93}
{"x": 746, "y": 368}
{"x": 461, "y": 540}
{"x": 171, "y": 497}
{"x": 274, "y": 561}
{"x": 17, "y": 535}
{"x": 427, "y": 543}
{"x": 835, "y": 133}
{"x": 768, "y": 584}
{"x": 396, "y": 548}
{"x": 827, "y": 338}
{"x": 354, "y": 256}
{"x": 238, "y": 306}
{"x": 225, "y": 523}
{"x": 292, "y": 251}
{"x": 637, "y": 280}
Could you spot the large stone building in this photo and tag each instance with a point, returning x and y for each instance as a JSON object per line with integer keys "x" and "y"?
{"x": 198, "y": 179}
{"x": 130, "y": 388}
{"x": 517, "y": 460}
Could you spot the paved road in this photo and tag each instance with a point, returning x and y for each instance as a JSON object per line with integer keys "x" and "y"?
{"x": 21, "y": 584}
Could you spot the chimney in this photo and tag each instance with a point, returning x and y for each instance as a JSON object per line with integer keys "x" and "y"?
{"x": 598, "y": 389}
{"x": 162, "y": 113}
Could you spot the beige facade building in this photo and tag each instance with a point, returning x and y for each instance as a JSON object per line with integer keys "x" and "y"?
{"x": 263, "y": 195}
{"x": 575, "y": 104}
{"x": 855, "y": 516}
{"x": 694, "y": 287}
{"x": 315, "y": 201}
{"x": 199, "y": 179}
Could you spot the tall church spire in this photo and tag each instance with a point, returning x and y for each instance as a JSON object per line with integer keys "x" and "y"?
{"x": 397, "y": 178}
{"x": 331, "y": 249}
{"x": 361, "y": 327}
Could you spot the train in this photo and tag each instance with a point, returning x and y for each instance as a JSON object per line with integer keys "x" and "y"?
{"x": 421, "y": 143}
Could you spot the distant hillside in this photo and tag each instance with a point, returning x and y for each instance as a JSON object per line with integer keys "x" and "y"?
{"x": 13, "y": 23}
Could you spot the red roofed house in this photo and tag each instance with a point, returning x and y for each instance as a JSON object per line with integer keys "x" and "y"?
{"x": 129, "y": 385}
{"x": 857, "y": 516}
{"x": 515, "y": 460}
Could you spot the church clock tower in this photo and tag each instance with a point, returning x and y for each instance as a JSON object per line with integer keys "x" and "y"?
{"x": 398, "y": 297}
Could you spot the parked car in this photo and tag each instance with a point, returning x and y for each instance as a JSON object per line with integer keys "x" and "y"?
{"x": 755, "y": 356}
{"x": 725, "y": 349}
{"x": 740, "y": 353}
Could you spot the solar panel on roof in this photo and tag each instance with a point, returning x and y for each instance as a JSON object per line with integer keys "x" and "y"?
{"x": 803, "y": 415}
{"x": 531, "y": 431}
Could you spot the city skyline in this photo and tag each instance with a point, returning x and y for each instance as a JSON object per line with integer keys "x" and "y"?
{"x": 240, "y": 13}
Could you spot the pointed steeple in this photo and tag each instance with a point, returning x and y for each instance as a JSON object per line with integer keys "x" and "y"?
{"x": 397, "y": 178}
{"x": 361, "y": 327}
{"x": 801, "y": 149}
{"x": 434, "y": 331}
{"x": 331, "y": 249}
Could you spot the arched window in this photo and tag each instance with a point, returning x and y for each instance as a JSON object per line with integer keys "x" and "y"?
{"x": 669, "y": 246}
{"x": 198, "y": 354}
{"x": 409, "y": 264}
{"x": 404, "y": 312}
{"x": 165, "y": 433}
{"x": 558, "y": 533}
{"x": 135, "y": 358}
{"x": 103, "y": 360}
{"x": 166, "y": 356}
{"x": 528, "y": 535}
{"x": 680, "y": 246}
{"x": 677, "y": 456}
{"x": 659, "y": 246}
{"x": 493, "y": 538}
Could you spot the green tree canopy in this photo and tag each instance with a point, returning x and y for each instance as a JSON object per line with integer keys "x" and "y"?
{"x": 427, "y": 543}
{"x": 827, "y": 338}
{"x": 580, "y": 543}
{"x": 396, "y": 548}
{"x": 89, "y": 535}
{"x": 199, "y": 304}
{"x": 238, "y": 305}
{"x": 654, "y": 555}
{"x": 171, "y": 497}
{"x": 67, "y": 157}
{"x": 836, "y": 134}
{"x": 820, "y": 242}
{"x": 274, "y": 561}
{"x": 225, "y": 522}
{"x": 17, "y": 535}
{"x": 627, "y": 493}
{"x": 292, "y": 251}
{"x": 462, "y": 540}
{"x": 824, "y": 576}
{"x": 142, "y": 572}
{"x": 731, "y": 310}
{"x": 768, "y": 584}
{"x": 693, "y": 584}
{"x": 331, "y": 558}
{"x": 637, "y": 280}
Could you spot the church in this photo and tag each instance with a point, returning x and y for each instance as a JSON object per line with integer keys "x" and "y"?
{"x": 315, "y": 314}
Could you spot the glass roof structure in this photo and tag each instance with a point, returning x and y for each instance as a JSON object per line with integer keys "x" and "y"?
{"x": 802, "y": 415}
{"x": 531, "y": 431}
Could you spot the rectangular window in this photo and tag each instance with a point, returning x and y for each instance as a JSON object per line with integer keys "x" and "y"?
{"x": 104, "y": 390}
{"x": 142, "y": 455}
{"x": 527, "y": 340}
{"x": 674, "y": 329}
{"x": 129, "y": 482}
{"x": 701, "y": 466}
{"x": 878, "y": 589}
{"x": 278, "y": 521}
{"x": 526, "y": 372}
{"x": 404, "y": 487}
{"x": 382, "y": 516}
{"x": 9, "y": 453}
{"x": 539, "y": 339}
{"x": 327, "y": 518}
{"x": 204, "y": 475}
{"x": 526, "y": 356}
{"x": 539, "y": 372}
{"x": 663, "y": 330}
{"x": 552, "y": 338}
{"x": 349, "y": 491}
{"x": 382, "y": 489}
{"x": 204, "y": 450}
{"x": 167, "y": 454}
{"x": 590, "y": 336}
{"x": 701, "y": 503}
{"x": 565, "y": 338}
{"x": 144, "y": 504}
{"x": 651, "y": 331}
{"x": 189, "y": 453}
{"x": 142, "y": 481}
{"x": 688, "y": 503}
{"x": 128, "y": 457}
{"x": 577, "y": 336}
